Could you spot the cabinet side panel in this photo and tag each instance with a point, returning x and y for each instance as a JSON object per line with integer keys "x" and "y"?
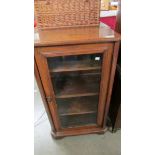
{"x": 112, "y": 75}
{"x": 39, "y": 83}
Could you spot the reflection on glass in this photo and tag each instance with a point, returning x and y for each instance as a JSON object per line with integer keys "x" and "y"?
{"x": 76, "y": 81}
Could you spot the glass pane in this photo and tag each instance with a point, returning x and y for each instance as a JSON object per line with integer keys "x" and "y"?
{"x": 76, "y": 81}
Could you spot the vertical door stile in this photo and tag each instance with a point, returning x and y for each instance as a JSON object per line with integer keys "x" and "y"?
{"x": 106, "y": 67}
{"x": 42, "y": 93}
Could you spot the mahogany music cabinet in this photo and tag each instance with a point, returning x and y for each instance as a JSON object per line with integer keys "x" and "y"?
{"x": 74, "y": 69}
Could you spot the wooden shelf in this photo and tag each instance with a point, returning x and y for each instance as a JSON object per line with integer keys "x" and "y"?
{"x": 78, "y": 106}
{"x": 77, "y": 86}
{"x": 77, "y": 121}
{"x": 76, "y": 95}
{"x": 68, "y": 66}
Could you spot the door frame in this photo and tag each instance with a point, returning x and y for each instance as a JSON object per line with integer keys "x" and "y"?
{"x": 41, "y": 55}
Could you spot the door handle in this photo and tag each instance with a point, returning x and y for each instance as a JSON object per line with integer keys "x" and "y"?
{"x": 49, "y": 99}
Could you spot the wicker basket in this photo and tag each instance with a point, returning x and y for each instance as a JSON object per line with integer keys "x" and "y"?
{"x": 66, "y": 13}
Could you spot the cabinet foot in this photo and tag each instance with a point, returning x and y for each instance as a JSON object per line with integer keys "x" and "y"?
{"x": 102, "y": 132}
{"x": 53, "y": 134}
{"x": 62, "y": 134}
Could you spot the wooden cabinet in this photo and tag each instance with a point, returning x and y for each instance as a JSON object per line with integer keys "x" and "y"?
{"x": 74, "y": 69}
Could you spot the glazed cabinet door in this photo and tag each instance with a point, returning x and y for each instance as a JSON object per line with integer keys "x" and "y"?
{"x": 75, "y": 79}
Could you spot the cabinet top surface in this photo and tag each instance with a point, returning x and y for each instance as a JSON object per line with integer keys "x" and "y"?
{"x": 79, "y": 35}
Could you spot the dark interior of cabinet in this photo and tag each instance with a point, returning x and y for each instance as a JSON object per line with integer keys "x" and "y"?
{"x": 76, "y": 86}
{"x": 77, "y": 106}
{"x": 79, "y": 120}
{"x": 74, "y": 63}
{"x": 76, "y": 83}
